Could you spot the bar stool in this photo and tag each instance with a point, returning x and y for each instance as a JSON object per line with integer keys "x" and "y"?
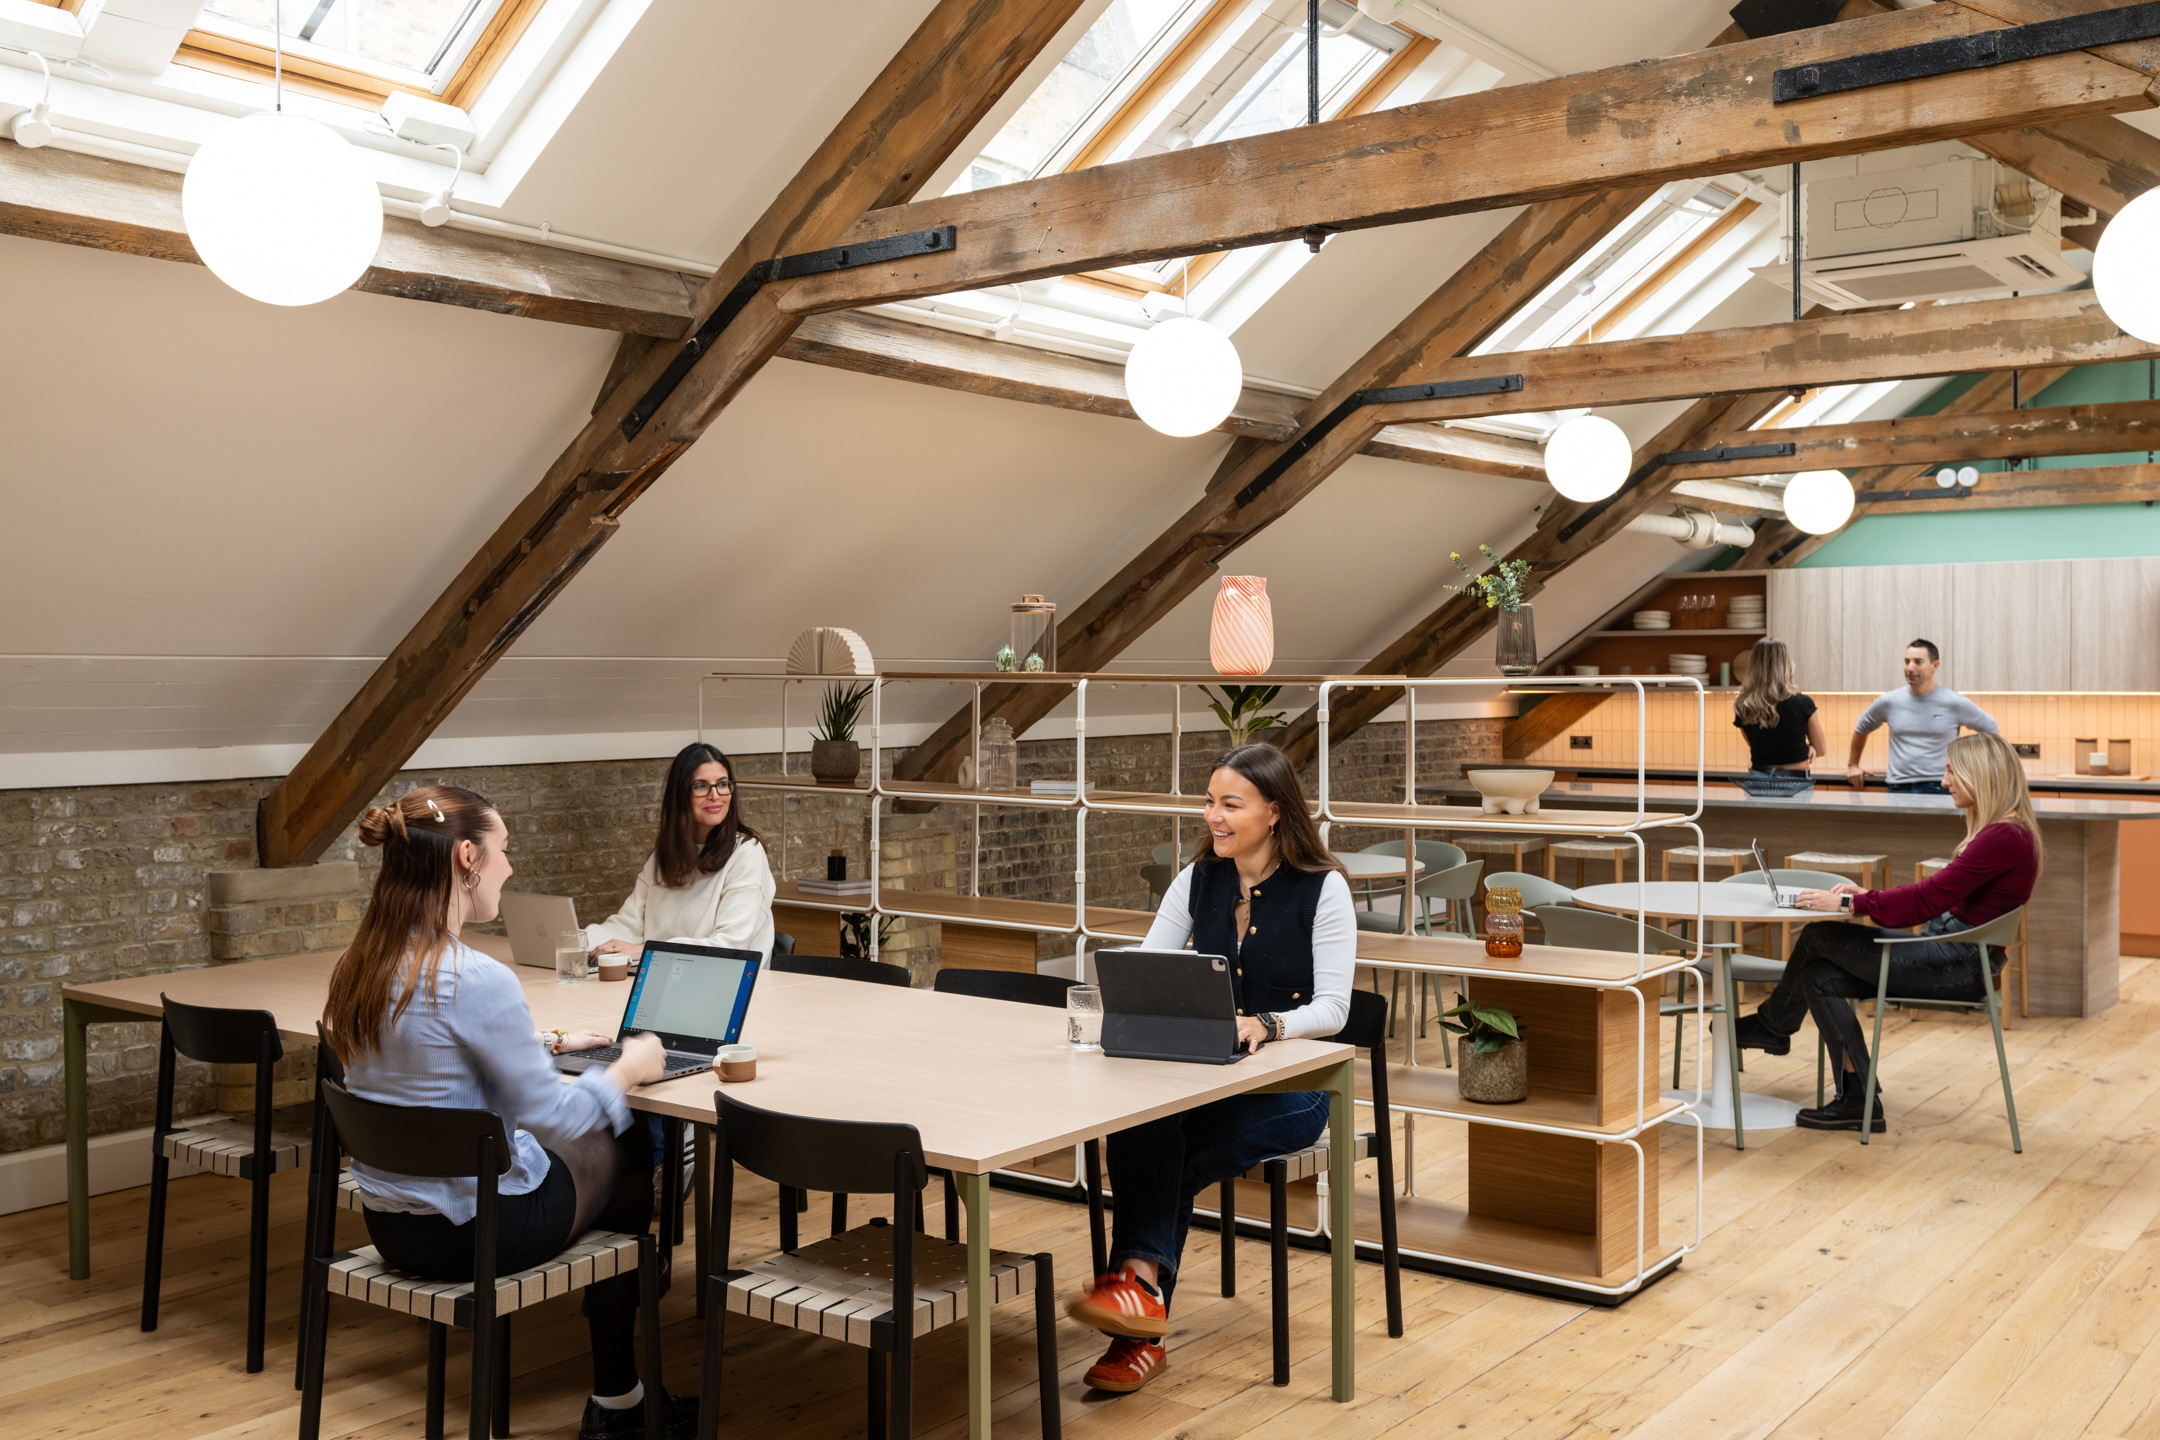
{"x": 1512, "y": 847}
{"x": 1710, "y": 855}
{"x": 1582, "y": 852}
{"x": 2016, "y": 949}
{"x": 1858, "y": 867}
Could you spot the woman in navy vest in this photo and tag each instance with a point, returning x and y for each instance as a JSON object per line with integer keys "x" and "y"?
{"x": 1263, "y": 892}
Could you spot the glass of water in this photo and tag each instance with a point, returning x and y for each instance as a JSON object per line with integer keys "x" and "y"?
{"x": 1083, "y": 1017}
{"x": 570, "y": 958}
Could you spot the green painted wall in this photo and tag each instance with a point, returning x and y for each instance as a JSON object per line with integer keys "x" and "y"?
{"x": 2057, "y": 532}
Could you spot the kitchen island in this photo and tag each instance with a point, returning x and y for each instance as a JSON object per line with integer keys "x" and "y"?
{"x": 2072, "y": 927}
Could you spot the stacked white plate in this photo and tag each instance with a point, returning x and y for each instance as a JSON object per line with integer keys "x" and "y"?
{"x": 1746, "y": 613}
{"x": 1688, "y": 664}
{"x": 1653, "y": 619}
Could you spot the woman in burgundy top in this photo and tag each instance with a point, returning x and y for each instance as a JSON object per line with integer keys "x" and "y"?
{"x": 1991, "y": 873}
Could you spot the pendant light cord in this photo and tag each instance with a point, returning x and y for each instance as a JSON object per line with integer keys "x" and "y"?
{"x": 277, "y": 52}
{"x": 1796, "y": 240}
{"x": 1312, "y": 62}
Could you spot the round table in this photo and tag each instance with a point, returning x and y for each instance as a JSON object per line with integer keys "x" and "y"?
{"x": 1732, "y": 904}
{"x": 1362, "y": 866}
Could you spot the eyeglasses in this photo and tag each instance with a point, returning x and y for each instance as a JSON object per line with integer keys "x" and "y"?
{"x": 702, "y": 788}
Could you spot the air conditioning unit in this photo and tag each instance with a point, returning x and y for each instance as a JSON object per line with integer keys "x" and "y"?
{"x": 1949, "y": 231}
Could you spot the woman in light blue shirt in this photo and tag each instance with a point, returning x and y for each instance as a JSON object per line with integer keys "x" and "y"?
{"x": 421, "y": 1019}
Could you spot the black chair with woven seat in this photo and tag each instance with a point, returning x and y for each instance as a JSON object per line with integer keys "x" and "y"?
{"x": 782, "y": 944}
{"x": 339, "y": 1192}
{"x": 246, "y": 1147}
{"x": 454, "y": 1145}
{"x": 1019, "y": 987}
{"x": 1367, "y": 1031}
{"x": 862, "y": 971}
{"x": 857, "y": 1284}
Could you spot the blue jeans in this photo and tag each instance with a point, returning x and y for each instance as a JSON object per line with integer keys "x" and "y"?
{"x": 1156, "y": 1169}
{"x": 1919, "y": 787}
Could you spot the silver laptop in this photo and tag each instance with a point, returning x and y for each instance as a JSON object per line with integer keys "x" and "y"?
{"x": 1784, "y": 897}
{"x": 694, "y": 997}
{"x": 533, "y": 922}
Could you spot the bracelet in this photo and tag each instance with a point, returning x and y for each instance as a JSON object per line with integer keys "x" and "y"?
{"x": 560, "y": 1036}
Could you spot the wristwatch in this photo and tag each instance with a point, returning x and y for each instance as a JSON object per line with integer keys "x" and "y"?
{"x": 1273, "y": 1022}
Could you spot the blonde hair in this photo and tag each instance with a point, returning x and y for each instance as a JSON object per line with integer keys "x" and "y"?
{"x": 1988, "y": 770}
{"x": 1769, "y": 680}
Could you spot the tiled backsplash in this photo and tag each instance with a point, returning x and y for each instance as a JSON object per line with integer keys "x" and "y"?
{"x": 2053, "y": 722}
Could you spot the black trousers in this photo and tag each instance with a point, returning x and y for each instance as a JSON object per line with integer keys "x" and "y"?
{"x": 529, "y": 1229}
{"x": 1835, "y": 962}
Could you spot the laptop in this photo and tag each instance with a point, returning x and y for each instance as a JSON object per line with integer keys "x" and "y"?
{"x": 533, "y": 922}
{"x": 1785, "y": 897}
{"x": 693, "y": 997}
{"x": 1168, "y": 1005}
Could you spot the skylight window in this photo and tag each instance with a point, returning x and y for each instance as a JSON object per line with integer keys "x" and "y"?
{"x": 1275, "y": 98}
{"x": 1076, "y": 96}
{"x": 415, "y": 42}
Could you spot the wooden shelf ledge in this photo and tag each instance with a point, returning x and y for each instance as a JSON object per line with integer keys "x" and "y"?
{"x": 1439, "y": 1230}
{"x": 1433, "y": 1090}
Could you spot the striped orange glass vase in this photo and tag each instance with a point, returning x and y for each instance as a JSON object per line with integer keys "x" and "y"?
{"x": 1242, "y": 639}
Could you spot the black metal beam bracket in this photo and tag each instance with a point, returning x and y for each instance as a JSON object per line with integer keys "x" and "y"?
{"x": 1967, "y": 52}
{"x": 1396, "y": 395}
{"x": 785, "y": 267}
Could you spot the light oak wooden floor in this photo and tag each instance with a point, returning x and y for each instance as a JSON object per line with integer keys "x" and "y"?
{"x": 1932, "y": 1284}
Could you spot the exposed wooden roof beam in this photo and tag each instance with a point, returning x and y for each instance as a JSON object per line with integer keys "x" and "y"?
{"x": 925, "y": 102}
{"x": 1929, "y": 440}
{"x": 52, "y": 194}
{"x": 1701, "y": 114}
{"x": 2029, "y": 489}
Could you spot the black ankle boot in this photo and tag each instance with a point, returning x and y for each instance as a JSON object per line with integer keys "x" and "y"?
{"x": 1753, "y": 1034}
{"x": 1844, "y": 1110}
{"x": 678, "y": 1420}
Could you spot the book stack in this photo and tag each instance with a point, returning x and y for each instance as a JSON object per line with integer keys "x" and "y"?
{"x": 844, "y": 889}
{"x": 1060, "y": 787}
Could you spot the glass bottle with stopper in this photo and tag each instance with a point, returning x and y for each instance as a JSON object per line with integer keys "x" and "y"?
{"x": 1503, "y": 922}
{"x": 1000, "y": 764}
{"x": 1034, "y": 635}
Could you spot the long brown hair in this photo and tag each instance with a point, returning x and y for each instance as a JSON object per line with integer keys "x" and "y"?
{"x": 407, "y": 926}
{"x": 676, "y": 854}
{"x": 1769, "y": 680}
{"x": 1297, "y": 838}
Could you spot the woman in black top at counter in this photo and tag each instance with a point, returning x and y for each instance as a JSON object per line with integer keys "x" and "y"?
{"x": 1782, "y": 729}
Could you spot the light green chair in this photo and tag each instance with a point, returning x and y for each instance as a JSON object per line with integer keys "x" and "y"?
{"x": 1437, "y": 856}
{"x": 1598, "y": 930}
{"x": 1454, "y": 887}
{"x": 2001, "y": 932}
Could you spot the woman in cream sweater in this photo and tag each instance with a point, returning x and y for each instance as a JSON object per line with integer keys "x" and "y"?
{"x": 708, "y": 881}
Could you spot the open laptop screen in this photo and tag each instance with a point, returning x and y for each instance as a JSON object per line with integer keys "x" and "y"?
{"x": 693, "y": 997}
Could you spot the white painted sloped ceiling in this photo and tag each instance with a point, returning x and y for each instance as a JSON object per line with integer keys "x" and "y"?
{"x": 221, "y": 513}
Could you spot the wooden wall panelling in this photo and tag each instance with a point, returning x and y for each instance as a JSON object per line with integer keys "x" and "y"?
{"x": 2010, "y": 627}
{"x": 1885, "y": 607}
{"x": 1807, "y": 611}
{"x": 986, "y": 947}
{"x": 2114, "y": 641}
{"x": 816, "y": 932}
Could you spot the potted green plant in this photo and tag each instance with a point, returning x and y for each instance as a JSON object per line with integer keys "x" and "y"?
{"x": 1501, "y": 590}
{"x": 855, "y": 934}
{"x": 1492, "y": 1065}
{"x": 1239, "y": 708}
{"x": 835, "y": 758}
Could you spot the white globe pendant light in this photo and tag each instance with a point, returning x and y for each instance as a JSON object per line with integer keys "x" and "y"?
{"x": 2125, "y": 279}
{"x": 1819, "y": 501}
{"x": 1588, "y": 457}
{"x": 1184, "y": 377}
{"x": 282, "y": 209}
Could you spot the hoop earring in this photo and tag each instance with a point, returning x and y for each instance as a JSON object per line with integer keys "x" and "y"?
{"x": 472, "y": 879}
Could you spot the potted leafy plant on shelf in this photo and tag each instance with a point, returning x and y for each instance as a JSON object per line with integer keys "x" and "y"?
{"x": 1239, "y": 709}
{"x": 855, "y": 934}
{"x": 1492, "y": 1065}
{"x": 835, "y": 758}
{"x": 1500, "y": 588}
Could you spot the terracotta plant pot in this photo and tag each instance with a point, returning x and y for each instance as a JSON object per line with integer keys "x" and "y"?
{"x": 835, "y": 762}
{"x": 1500, "y": 1078}
{"x": 1242, "y": 639}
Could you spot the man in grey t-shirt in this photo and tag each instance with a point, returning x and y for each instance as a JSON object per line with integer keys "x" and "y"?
{"x": 1923, "y": 718}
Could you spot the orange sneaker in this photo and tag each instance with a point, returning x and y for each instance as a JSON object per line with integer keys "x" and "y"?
{"x": 1120, "y": 1305}
{"x": 1128, "y": 1365}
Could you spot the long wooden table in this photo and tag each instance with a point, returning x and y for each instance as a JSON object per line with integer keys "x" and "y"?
{"x": 987, "y": 1084}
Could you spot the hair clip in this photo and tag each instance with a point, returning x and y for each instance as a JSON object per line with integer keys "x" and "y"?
{"x": 438, "y": 813}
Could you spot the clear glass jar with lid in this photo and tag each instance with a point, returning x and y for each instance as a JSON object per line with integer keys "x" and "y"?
{"x": 1034, "y": 634}
{"x": 999, "y": 768}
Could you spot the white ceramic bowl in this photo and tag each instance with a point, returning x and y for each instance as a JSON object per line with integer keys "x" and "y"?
{"x": 1586, "y": 670}
{"x": 1511, "y": 792}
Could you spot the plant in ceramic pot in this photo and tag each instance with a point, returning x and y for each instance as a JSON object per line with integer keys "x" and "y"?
{"x": 1492, "y": 1065}
{"x": 1239, "y": 708}
{"x": 835, "y": 758}
{"x": 1500, "y": 588}
{"x": 855, "y": 934}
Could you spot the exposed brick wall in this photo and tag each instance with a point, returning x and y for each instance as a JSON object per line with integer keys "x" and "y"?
{"x": 97, "y": 883}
